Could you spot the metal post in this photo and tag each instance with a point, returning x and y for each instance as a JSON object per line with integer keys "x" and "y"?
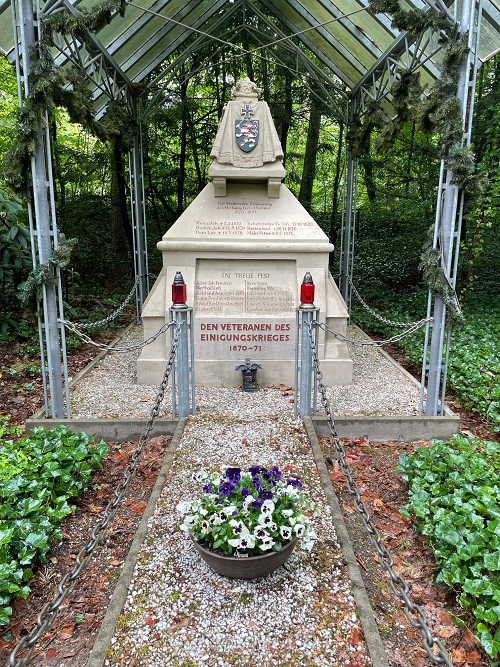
{"x": 449, "y": 220}
{"x": 348, "y": 228}
{"x": 44, "y": 231}
{"x": 305, "y": 402}
{"x": 183, "y": 400}
{"x": 137, "y": 204}
{"x": 181, "y": 389}
{"x": 305, "y": 407}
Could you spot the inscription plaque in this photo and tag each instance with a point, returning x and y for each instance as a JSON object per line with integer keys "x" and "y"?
{"x": 247, "y": 218}
{"x": 245, "y": 307}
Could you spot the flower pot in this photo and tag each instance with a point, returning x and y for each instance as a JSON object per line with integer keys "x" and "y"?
{"x": 252, "y": 567}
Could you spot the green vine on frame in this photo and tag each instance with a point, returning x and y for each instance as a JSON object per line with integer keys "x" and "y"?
{"x": 44, "y": 274}
{"x": 438, "y": 112}
{"x": 51, "y": 87}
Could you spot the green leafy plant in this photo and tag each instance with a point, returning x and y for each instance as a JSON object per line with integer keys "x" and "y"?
{"x": 39, "y": 473}
{"x": 455, "y": 501}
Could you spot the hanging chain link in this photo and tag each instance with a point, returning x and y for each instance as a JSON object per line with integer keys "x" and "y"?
{"x": 94, "y": 325}
{"x": 120, "y": 348}
{"x": 67, "y": 584}
{"x": 379, "y": 317}
{"x": 377, "y": 343}
{"x": 400, "y": 587}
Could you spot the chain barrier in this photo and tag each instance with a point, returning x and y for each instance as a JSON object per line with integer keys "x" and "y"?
{"x": 120, "y": 348}
{"x": 400, "y": 587}
{"x": 376, "y": 315}
{"x": 67, "y": 584}
{"x": 377, "y": 343}
{"x": 109, "y": 318}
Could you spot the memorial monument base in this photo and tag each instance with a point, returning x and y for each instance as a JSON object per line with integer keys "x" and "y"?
{"x": 243, "y": 247}
{"x": 213, "y": 373}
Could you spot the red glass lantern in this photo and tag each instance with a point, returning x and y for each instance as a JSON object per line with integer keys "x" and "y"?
{"x": 179, "y": 290}
{"x": 307, "y": 289}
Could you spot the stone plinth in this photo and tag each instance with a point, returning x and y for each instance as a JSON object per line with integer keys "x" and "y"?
{"x": 243, "y": 257}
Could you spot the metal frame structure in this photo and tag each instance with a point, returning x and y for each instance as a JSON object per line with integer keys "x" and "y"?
{"x": 43, "y": 228}
{"x": 341, "y": 50}
{"x": 448, "y": 225}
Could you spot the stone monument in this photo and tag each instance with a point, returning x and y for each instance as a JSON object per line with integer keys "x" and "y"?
{"x": 243, "y": 247}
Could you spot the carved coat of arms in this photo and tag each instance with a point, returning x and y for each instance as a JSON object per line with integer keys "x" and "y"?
{"x": 246, "y": 130}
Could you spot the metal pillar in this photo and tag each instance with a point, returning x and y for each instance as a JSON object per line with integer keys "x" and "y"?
{"x": 348, "y": 228}
{"x": 305, "y": 384}
{"x": 42, "y": 216}
{"x": 183, "y": 391}
{"x": 447, "y": 228}
{"x": 137, "y": 204}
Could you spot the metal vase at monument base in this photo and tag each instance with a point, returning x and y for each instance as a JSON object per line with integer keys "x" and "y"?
{"x": 249, "y": 375}
{"x": 253, "y": 567}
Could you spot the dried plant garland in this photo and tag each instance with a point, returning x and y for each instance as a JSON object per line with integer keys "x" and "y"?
{"x": 437, "y": 112}
{"x": 51, "y": 87}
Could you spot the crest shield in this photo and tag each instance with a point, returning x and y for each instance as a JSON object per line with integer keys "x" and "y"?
{"x": 247, "y": 134}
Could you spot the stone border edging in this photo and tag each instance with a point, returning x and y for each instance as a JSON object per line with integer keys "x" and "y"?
{"x": 389, "y": 429}
{"x": 106, "y": 631}
{"x": 366, "y": 617}
{"x": 110, "y": 430}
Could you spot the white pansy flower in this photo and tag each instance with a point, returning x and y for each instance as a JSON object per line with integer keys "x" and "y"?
{"x": 188, "y": 522}
{"x": 267, "y": 507}
{"x": 286, "y": 532}
{"x": 265, "y": 520}
{"x": 299, "y": 529}
{"x": 266, "y": 544}
{"x": 184, "y": 506}
{"x": 260, "y": 532}
{"x": 287, "y": 512}
{"x": 200, "y": 476}
{"x": 249, "y": 499}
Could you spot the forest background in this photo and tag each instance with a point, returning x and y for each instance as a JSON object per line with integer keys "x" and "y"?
{"x": 396, "y": 202}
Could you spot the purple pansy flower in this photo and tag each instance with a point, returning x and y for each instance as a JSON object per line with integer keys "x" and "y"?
{"x": 233, "y": 475}
{"x": 208, "y": 488}
{"x": 257, "y": 503}
{"x": 244, "y": 492}
{"x": 254, "y": 470}
{"x": 267, "y": 494}
{"x": 225, "y": 488}
{"x": 256, "y": 484}
{"x": 276, "y": 473}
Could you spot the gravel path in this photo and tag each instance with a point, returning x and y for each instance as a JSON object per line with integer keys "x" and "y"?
{"x": 111, "y": 390}
{"x": 180, "y": 613}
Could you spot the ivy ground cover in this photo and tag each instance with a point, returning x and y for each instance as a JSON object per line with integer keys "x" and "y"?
{"x": 39, "y": 474}
{"x": 455, "y": 501}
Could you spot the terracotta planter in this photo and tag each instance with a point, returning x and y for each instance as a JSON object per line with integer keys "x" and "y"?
{"x": 246, "y": 568}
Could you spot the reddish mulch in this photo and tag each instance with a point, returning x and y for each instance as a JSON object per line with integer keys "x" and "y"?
{"x": 71, "y": 638}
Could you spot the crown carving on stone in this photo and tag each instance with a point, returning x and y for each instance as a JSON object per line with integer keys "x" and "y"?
{"x": 246, "y": 88}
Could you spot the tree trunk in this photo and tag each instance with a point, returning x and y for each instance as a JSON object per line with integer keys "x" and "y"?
{"x": 309, "y": 169}
{"x": 181, "y": 177}
{"x": 121, "y": 231}
{"x": 287, "y": 116}
{"x": 366, "y": 162}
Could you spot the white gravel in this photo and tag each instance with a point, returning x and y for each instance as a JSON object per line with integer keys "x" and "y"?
{"x": 180, "y": 613}
{"x": 110, "y": 390}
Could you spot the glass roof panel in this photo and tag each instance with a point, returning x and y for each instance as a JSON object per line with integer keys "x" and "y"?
{"x": 342, "y": 35}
